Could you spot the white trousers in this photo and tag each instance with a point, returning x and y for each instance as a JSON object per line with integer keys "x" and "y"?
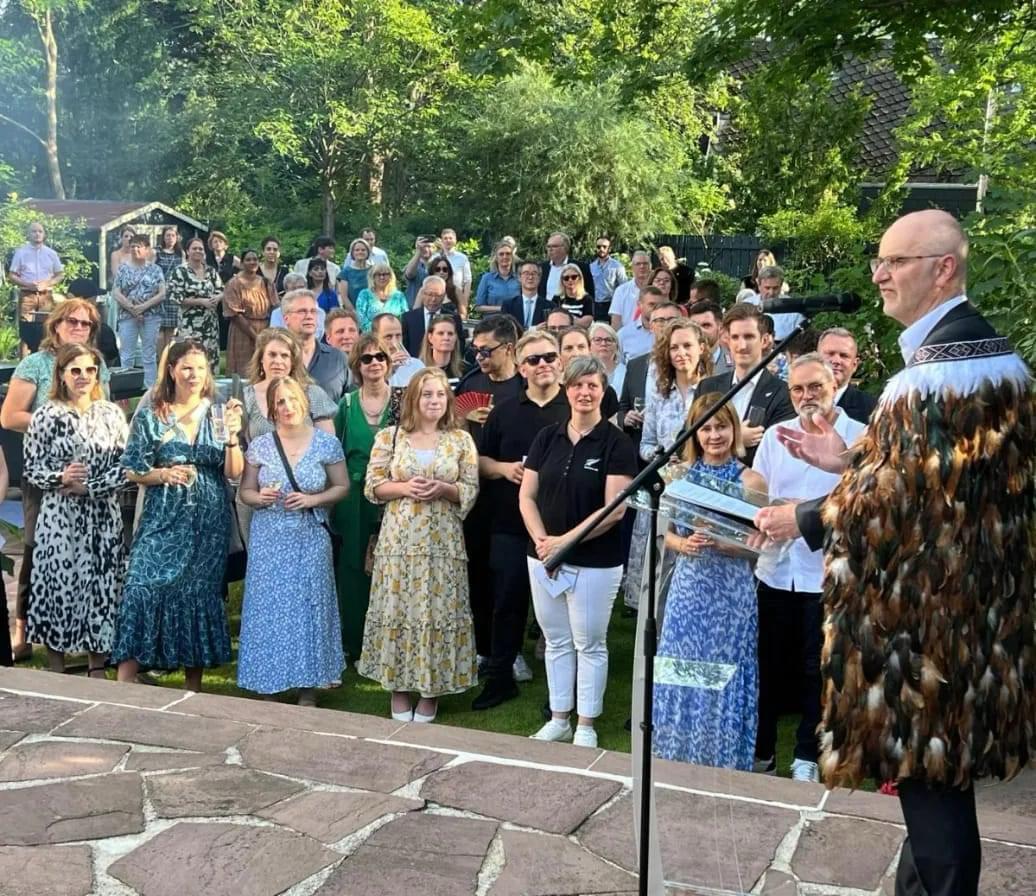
{"x": 575, "y": 626}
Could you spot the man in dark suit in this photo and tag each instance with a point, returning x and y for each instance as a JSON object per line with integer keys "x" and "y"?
{"x": 558, "y": 246}
{"x": 758, "y": 405}
{"x": 958, "y": 605}
{"x": 431, "y": 301}
{"x": 530, "y": 309}
{"x": 838, "y": 346}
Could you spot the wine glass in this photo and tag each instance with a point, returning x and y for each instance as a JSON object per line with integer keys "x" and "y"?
{"x": 192, "y": 478}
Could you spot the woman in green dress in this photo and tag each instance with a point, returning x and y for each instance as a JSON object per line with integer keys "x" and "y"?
{"x": 360, "y": 415}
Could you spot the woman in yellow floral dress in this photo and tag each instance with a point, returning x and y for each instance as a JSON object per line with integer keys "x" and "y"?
{"x": 419, "y": 635}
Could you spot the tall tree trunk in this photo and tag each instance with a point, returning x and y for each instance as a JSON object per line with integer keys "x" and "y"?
{"x": 50, "y": 49}
{"x": 376, "y": 178}
{"x": 327, "y": 207}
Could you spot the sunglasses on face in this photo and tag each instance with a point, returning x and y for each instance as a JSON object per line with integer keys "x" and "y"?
{"x": 78, "y": 323}
{"x": 371, "y": 358}
{"x": 545, "y": 357}
{"x": 441, "y": 270}
{"x": 487, "y": 350}
{"x": 79, "y": 371}
{"x": 568, "y": 277}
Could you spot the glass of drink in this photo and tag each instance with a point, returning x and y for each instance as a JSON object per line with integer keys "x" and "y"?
{"x": 192, "y": 478}
{"x": 219, "y": 427}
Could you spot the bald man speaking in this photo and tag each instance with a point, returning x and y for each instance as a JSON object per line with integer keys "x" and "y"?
{"x": 929, "y": 661}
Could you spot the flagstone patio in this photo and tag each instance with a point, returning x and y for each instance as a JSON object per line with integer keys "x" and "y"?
{"x": 115, "y": 789}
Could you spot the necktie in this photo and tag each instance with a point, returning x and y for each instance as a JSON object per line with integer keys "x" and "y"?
{"x": 530, "y": 304}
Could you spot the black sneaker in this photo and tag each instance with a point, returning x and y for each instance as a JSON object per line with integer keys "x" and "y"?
{"x": 495, "y": 692}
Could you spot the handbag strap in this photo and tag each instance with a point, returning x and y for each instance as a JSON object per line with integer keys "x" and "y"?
{"x": 292, "y": 480}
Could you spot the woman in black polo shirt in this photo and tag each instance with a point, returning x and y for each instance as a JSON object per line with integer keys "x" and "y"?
{"x": 572, "y": 470}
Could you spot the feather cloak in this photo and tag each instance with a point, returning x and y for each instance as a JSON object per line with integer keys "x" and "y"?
{"x": 929, "y": 662}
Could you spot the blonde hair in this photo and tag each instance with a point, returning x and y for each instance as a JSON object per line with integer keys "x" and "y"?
{"x": 65, "y": 356}
{"x": 666, "y": 372}
{"x": 600, "y": 327}
{"x": 536, "y": 335}
{"x": 381, "y": 268}
{"x": 409, "y": 411}
{"x": 572, "y": 268}
{"x": 277, "y": 334}
{"x": 691, "y": 449}
{"x": 292, "y": 385}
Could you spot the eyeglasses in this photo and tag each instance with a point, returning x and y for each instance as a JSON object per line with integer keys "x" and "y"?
{"x": 895, "y": 262}
{"x": 602, "y": 340}
{"x": 377, "y": 356}
{"x": 77, "y": 323}
{"x": 603, "y": 246}
{"x": 79, "y": 371}
{"x": 486, "y": 350}
{"x": 811, "y": 388}
{"x": 308, "y": 312}
{"x": 545, "y": 357}
{"x": 382, "y": 274}
{"x": 568, "y": 277}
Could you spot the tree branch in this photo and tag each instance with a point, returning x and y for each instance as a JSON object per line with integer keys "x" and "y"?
{"x": 22, "y": 127}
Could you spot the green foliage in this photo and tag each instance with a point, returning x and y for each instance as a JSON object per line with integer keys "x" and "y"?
{"x": 540, "y": 154}
{"x": 64, "y": 236}
{"x": 821, "y": 239}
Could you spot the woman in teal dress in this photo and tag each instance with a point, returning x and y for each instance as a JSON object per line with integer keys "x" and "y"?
{"x": 172, "y": 611}
{"x": 360, "y": 415}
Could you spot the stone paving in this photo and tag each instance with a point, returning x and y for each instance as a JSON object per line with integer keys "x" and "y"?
{"x": 116, "y": 790}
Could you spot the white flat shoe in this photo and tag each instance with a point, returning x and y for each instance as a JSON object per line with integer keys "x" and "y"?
{"x": 421, "y": 717}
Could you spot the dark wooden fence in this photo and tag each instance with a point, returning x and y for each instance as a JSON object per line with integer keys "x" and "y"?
{"x": 732, "y": 255}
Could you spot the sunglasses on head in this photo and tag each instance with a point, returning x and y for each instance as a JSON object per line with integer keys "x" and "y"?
{"x": 371, "y": 358}
{"x": 545, "y": 357}
{"x": 79, "y": 371}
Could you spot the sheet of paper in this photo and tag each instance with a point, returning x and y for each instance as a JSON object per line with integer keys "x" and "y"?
{"x": 563, "y": 580}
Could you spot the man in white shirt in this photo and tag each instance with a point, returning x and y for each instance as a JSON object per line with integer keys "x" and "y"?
{"x": 791, "y": 582}
{"x": 323, "y": 247}
{"x": 377, "y": 256}
{"x": 636, "y": 337}
{"x": 404, "y": 366}
{"x": 35, "y": 270}
{"x": 461, "y": 267}
{"x": 559, "y": 245}
{"x": 624, "y": 300}
{"x": 771, "y": 285}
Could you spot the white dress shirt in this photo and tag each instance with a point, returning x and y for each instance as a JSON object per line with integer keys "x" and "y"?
{"x": 743, "y": 400}
{"x": 913, "y": 337}
{"x": 461, "y": 269}
{"x": 554, "y": 279}
{"x": 635, "y": 340}
{"x": 797, "y": 568}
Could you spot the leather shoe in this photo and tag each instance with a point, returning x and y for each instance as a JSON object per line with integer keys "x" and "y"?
{"x": 494, "y": 693}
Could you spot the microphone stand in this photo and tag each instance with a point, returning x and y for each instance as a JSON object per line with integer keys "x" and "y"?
{"x": 650, "y": 479}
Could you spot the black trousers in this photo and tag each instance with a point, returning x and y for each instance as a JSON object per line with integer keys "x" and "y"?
{"x": 6, "y": 659}
{"x": 790, "y": 633}
{"x": 511, "y": 597}
{"x": 942, "y": 855}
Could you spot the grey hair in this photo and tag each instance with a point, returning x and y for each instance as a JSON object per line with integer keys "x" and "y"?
{"x": 564, "y": 236}
{"x": 433, "y": 279}
{"x": 294, "y": 295}
{"x": 585, "y": 365}
{"x": 294, "y": 281}
{"x": 643, "y": 253}
{"x": 814, "y": 358}
{"x": 771, "y": 272}
{"x": 840, "y": 332}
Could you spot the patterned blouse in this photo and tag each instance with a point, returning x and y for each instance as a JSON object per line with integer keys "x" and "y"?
{"x": 138, "y": 283}
{"x": 369, "y": 306}
{"x": 663, "y": 419}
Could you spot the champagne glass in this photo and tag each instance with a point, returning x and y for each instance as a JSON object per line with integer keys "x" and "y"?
{"x": 219, "y": 426}
{"x": 192, "y": 478}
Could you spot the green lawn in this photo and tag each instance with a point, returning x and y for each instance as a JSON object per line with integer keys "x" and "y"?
{"x": 520, "y": 716}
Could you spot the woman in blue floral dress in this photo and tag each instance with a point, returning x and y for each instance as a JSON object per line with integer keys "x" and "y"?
{"x": 172, "y": 611}
{"x": 290, "y": 631}
{"x": 710, "y": 627}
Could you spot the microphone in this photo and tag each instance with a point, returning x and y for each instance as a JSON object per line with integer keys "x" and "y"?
{"x": 845, "y": 302}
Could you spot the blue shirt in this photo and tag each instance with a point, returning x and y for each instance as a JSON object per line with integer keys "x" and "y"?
{"x": 327, "y": 299}
{"x": 607, "y": 278}
{"x": 495, "y": 290}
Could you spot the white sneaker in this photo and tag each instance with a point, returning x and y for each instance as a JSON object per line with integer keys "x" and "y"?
{"x": 521, "y": 669}
{"x": 585, "y": 736}
{"x": 804, "y": 770}
{"x": 555, "y": 729}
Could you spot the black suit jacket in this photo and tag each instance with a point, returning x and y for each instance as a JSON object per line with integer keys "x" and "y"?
{"x": 963, "y": 324}
{"x": 413, "y": 328}
{"x": 771, "y": 394}
{"x": 588, "y": 279}
{"x": 634, "y": 386}
{"x": 516, "y": 308}
{"x": 857, "y": 403}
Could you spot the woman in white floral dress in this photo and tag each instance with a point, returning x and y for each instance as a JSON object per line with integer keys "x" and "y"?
{"x": 419, "y": 635}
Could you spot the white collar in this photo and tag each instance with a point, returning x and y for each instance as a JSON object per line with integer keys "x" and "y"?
{"x": 755, "y": 379}
{"x": 913, "y": 337}
{"x": 559, "y": 265}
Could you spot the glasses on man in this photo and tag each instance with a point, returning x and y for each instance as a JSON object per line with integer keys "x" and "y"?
{"x": 486, "y": 350}
{"x": 602, "y": 245}
{"x": 77, "y": 323}
{"x": 544, "y": 358}
{"x": 895, "y": 262}
{"x": 380, "y": 357}
{"x": 79, "y": 371}
{"x": 804, "y": 388}
{"x": 307, "y": 312}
